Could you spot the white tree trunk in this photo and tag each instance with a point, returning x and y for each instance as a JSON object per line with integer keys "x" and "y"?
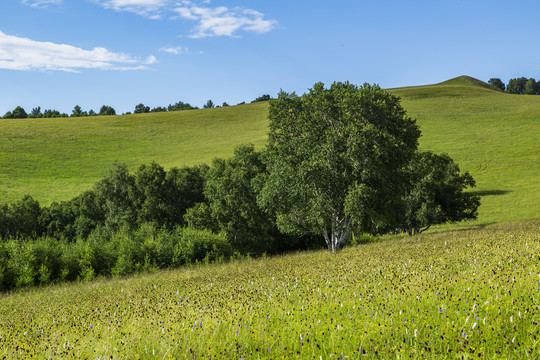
{"x": 336, "y": 236}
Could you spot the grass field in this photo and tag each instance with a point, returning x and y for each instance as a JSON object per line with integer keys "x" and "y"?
{"x": 493, "y": 135}
{"x": 57, "y": 159}
{"x": 463, "y": 294}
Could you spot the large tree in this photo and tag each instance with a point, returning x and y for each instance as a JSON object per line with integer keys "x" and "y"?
{"x": 334, "y": 160}
{"x": 436, "y": 193}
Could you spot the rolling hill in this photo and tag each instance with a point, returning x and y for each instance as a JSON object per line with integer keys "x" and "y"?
{"x": 493, "y": 135}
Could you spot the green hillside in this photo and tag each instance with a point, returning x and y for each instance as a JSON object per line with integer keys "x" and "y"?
{"x": 493, "y": 135}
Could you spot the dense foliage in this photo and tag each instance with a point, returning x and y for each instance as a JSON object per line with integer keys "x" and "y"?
{"x": 335, "y": 161}
{"x": 518, "y": 86}
{"x": 48, "y": 260}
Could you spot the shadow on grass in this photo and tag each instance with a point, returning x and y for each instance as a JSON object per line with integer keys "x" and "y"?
{"x": 490, "y": 192}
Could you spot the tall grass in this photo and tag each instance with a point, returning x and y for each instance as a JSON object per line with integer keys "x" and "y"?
{"x": 462, "y": 294}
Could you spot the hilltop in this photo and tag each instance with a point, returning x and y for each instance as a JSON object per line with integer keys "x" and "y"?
{"x": 491, "y": 134}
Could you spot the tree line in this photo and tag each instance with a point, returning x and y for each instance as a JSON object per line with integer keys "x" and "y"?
{"x": 340, "y": 163}
{"x": 519, "y": 86}
{"x": 105, "y": 110}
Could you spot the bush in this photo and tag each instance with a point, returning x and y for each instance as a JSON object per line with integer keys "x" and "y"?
{"x": 198, "y": 245}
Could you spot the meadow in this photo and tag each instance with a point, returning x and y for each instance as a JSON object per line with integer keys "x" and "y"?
{"x": 463, "y": 294}
{"x": 493, "y": 135}
{"x": 462, "y": 291}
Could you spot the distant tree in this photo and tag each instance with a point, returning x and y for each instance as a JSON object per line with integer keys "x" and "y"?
{"x": 265, "y": 97}
{"x": 531, "y": 87}
{"x": 77, "y": 111}
{"x": 107, "y": 110}
{"x": 516, "y": 86}
{"x": 436, "y": 194}
{"x": 8, "y": 115}
{"x": 241, "y": 103}
{"x": 225, "y": 104}
{"x": 209, "y": 105}
{"x": 159, "y": 109}
{"x": 91, "y": 113}
{"x": 180, "y": 106}
{"x": 497, "y": 83}
{"x": 140, "y": 109}
{"x": 53, "y": 114}
{"x": 19, "y": 113}
{"x": 36, "y": 112}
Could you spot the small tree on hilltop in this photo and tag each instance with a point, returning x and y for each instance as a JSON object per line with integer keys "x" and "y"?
{"x": 496, "y": 82}
{"x": 209, "y": 105}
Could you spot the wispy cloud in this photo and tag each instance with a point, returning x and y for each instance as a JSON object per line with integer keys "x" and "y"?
{"x": 176, "y": 50}
{"x": 17, "y": 53}
{"x": 222, "y": 21}
{"x": 148, "y": 8}
{"x": 210, "y": 21}
{"x": 41, "y": 3}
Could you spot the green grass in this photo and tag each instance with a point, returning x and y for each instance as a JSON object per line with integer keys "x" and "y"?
{"x": 463, "y": 294}
{"x": 56, "y": 159}
{"x": 493, "y": 135}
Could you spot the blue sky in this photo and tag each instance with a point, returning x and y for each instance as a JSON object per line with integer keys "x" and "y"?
{"x": 60, "y": 53}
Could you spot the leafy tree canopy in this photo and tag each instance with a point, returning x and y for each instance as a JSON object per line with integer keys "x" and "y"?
{"x": 334, "y": 158}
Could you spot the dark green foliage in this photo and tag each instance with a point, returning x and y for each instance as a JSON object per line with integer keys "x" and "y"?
{"x": 18, "y": 113}
{"x": 107, "y": 110}
{"x": 21, "y": 218}
{"x": 209, "y": 105}
{"x": 140, "y": 109}
{"x": 436, "y": 193}
{"x": 497, "y": 83}
{"x": 232, "y": 203}
{"x": 47, "y": 260}
{"x": 159, "y": 109}
{"x": 36, "y": 112}
{"x": 531, "y": 87}
{"x": 53, "y": 114}
{"x": 265, "y": 97}
{"x": 77, "y": 111}
{"x": 516, "y": 86}
{"x": 180, "y": 106}
{"x": 334, "y": 160}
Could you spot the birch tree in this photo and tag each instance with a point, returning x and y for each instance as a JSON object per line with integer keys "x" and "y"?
{"x": 334, "y": 160}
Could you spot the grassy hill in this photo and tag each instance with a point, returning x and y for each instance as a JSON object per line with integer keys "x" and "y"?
{"x": 493, "y": 135}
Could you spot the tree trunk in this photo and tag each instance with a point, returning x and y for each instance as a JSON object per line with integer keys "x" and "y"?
{"x": 337, "y": 235}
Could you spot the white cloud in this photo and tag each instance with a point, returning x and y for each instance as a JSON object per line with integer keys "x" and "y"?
{"x": 18, "y": 53}
{"x": 148, "y": 8}
{"x": 176, "y": 50}
{"x": 41, "y": 3}
{"x": 222, "y": 21}
{"x": 211, "y": 21}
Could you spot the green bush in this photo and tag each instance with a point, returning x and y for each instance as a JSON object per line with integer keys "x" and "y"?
{"x": 198, "y": 245}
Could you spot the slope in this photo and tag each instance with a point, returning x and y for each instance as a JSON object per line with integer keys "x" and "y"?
{"x": 493, "y": 135}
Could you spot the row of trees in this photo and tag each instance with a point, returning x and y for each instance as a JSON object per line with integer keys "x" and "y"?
{"x": 20, "y": 113}
{"x": 519, "y": 86}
